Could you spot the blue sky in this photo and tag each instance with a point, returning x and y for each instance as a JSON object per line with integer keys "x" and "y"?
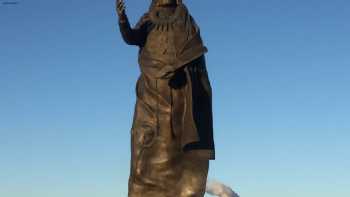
{"x": 280, "y": 77}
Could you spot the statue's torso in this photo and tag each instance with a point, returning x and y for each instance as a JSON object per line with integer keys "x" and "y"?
{"x": 168, "y": 35}
{"x": 172, "y": 41}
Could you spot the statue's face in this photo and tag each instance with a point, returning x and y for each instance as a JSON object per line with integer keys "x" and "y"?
{"x": 166, "y": 2}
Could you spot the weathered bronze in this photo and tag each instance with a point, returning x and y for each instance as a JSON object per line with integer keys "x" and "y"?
{"x": 172, "y": 132}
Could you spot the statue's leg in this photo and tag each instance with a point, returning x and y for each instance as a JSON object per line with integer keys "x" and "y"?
{"x": 194, "y": 177}
{"x": 156, "y": 160}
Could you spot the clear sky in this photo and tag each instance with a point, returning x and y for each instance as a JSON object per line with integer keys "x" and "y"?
{"x": 280, "y": 76}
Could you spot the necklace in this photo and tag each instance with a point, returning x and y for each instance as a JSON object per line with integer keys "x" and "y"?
{"x": 161, "y": 18}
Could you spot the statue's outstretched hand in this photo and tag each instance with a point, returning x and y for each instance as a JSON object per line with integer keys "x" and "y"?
{"x": 120, "y": 7}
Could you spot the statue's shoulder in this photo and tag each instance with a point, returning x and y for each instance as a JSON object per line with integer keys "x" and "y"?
{"x": 143, "y": 20}
{"x": 145, "y": 17}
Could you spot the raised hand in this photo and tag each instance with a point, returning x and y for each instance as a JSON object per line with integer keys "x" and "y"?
{"x": 120, "y": 7}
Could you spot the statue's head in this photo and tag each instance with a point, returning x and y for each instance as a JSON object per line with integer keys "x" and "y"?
{"x": 166, "y": 2}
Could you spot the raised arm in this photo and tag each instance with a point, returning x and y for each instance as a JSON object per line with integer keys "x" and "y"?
{"x": 132, "y": 36}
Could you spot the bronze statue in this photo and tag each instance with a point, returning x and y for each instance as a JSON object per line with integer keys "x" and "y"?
{"x": 172, "y": 132}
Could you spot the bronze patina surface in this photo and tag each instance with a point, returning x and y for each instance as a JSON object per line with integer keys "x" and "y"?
{"x": 172, "y": 132}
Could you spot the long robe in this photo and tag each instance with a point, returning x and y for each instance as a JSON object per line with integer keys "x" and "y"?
{"x": 172, "y": 131}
